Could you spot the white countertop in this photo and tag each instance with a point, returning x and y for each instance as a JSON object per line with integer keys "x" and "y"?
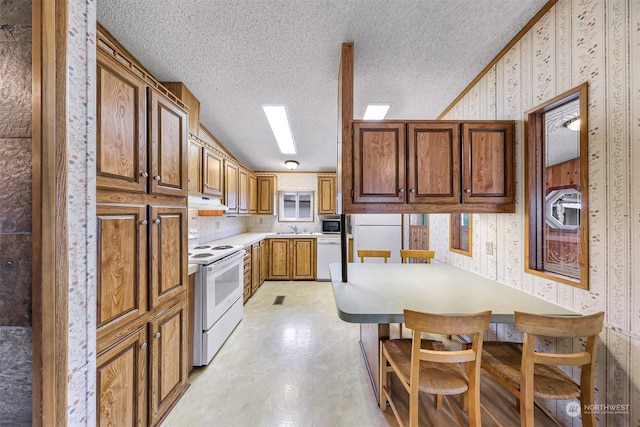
{"x": 378, "y": 293}
{"x": 247, "y": 239}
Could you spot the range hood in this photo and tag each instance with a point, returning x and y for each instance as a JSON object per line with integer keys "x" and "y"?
{"x": 205, "y": 203}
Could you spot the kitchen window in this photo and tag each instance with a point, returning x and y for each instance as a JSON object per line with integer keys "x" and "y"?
{"x": 295, "y": 206}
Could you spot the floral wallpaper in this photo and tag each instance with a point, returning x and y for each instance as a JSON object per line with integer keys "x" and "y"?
{"x": 577, "y": 41}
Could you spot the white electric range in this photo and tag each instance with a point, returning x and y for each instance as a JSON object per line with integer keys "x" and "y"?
{"x": 218, "y": 297}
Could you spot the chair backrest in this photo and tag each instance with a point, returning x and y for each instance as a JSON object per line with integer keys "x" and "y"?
{"x": 374, "y": 253}
{"x": 408, "y": 254}
{"x": 448, "y": 324}
{"x": 532, "y": 325}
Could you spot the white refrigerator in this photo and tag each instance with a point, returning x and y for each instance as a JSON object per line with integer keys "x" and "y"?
{"x": 377, "y": 231}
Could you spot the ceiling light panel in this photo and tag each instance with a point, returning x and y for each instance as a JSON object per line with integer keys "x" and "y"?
{"x": 281, "y": 128}
{"x": 376, "y": 111}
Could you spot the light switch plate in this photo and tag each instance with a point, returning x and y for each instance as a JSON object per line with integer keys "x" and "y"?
{"x": 488, "y": 248}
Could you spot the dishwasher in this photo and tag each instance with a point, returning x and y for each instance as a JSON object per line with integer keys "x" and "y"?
{"x": 328, "y": 252}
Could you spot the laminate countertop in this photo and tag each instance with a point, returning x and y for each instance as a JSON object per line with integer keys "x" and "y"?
{"x": 379, "y": 293}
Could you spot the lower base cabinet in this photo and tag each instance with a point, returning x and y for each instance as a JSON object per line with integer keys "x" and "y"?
{"x": 121, "y": 376}
{"x": 292, "y": 259}
{"x": 141, "y": 377}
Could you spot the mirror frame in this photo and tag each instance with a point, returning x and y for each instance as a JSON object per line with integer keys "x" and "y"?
{"x": 456, "y": 231}
{"x": 534, "y": 191}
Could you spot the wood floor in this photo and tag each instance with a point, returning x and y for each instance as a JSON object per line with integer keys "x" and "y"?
{"x": 498, "y": 410}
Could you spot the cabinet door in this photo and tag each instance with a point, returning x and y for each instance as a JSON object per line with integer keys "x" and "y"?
{"x": 488, "y": 172}
{"x": 279, "y": 259}
{"x": 243, "y": 190}
{"x": 213, "y": 174}
{"x": 121, "y": 132}
{"x": 121, "y": 382}
{"x": 253, "y": 193}
{"x": 379, "y": 162}
{"x": 327, "y": 194}
{"x": 231, "y": 186}
{"x": 264, "y": 261}
{"x": 304, "y": 259}
{"x": 121, "y": 266}
{"x": 168, "y": 254}
{"x": 255, "y": 267}
{"x": 419, "y": 237}
{"x": 433, "y": 165}
{"x": 195, "y": 168}
{"x": 169, "y": 146}
{"x": 267, "y": 188}
{"x": 168, "y": 360}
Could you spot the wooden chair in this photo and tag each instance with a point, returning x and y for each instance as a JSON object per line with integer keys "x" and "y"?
{"x": 408, "y": 254}
{"x": 435, "y": 370}
{"x": 512, "y": 364}
{"x": 373, "y": 253}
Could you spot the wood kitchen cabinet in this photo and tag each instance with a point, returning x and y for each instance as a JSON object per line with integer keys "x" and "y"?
{"x": 264, "y": 260}
{"x": 168, "y": 146}
{"x": 168, "y": 272}
{"x": 213, "y": 174}
{"x": 253, "y": 193}
{"x": 121, "y": 127}
{"x": 247, "y": 275}
{"x": 243, "y": 190}
{"x": 267, "y": 191}
{"x": 141, "y": 204}
{"x": 194, "y": 183}
{"x": 183, "y": 93}
{"x": 292, "y": 259}
{"x": 231, "y": 172}
{"x": 168, "y": 359}
{"x": 255, "y": 267}
{"x": 327, "y": 194}
{"x": 121, "y": 284}
{"x": 121, "y": 382}
{"x": 430, "y": 166}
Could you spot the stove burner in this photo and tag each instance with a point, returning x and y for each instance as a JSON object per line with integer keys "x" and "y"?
{"x": 203, "y": 255}
{"x": 202, "y": 247}
{"x": 222, "y": 247}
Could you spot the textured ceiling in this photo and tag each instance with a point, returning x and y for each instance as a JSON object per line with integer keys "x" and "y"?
{"x": 235, "y": 55}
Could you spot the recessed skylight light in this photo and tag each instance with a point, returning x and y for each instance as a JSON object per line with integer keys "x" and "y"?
{"x": 376, "y": 111}
{"x": 279, "y": 122}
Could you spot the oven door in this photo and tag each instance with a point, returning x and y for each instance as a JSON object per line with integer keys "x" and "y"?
{"x": 223, "y": 285}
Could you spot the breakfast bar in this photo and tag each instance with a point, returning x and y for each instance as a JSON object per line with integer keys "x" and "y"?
{"x": 376, "y": 295}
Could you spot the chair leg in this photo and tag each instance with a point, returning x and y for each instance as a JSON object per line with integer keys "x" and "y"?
{"x": 464, "y": 401}
{"x": 438, "y": 401}
{"x": 382, "y": 380}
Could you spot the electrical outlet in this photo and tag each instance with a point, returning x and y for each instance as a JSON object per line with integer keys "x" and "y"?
{"x": 488, "y": 248}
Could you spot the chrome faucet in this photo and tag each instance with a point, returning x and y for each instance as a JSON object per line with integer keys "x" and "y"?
{"x": 294, "y": 228}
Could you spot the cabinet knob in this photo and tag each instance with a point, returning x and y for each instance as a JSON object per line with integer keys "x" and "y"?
{"x": 468, "y": 190}
{"x": 144, "y": 222}
{"x": 157, "y": 335}
{"x": 156, "y": 221}
{"x": 144, "y": 174}
{"x": 143, "y": 346}
{"x": 402, "y": 190}
{"x": 156, "y": 177}
{"x": 413, "y": 190}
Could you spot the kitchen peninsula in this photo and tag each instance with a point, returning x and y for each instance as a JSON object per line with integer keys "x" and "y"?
{"x": 377, "y": 294}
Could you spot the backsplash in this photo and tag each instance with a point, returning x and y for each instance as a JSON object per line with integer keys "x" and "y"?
{"x": 210, "y": 228}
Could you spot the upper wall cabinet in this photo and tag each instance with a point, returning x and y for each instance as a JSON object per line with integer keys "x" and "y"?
{"x": 430, "y": 166}
{"x": 327, "y": 194}
{"x": 195, "y": 168}
{"x": 180, "y": 90}
{"x": 121, "y": 127}
{"x": 141, "y": 134}
{"x": 231, "y": 180}
{"x": 267, "y": 192}
{"x": 168, "y": 149}
{"x": 213, "y": 171}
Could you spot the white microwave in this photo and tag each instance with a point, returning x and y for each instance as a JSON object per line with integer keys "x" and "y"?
{"x": 331, "y": 225}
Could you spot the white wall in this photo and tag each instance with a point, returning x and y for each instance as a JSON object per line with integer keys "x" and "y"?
{"x": 597, "y": 41}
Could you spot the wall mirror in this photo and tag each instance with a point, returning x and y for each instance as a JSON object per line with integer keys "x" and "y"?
{"x": 460, "y": 233}
{"x": 556, "y": 196}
